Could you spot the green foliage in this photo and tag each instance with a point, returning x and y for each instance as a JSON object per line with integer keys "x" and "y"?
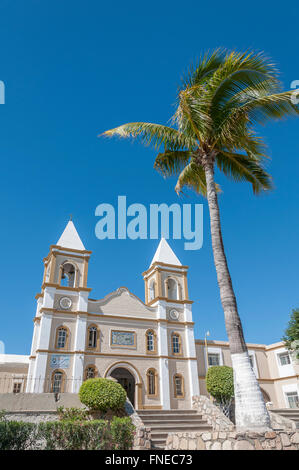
{"x": 68, "y": 435}
{"x": 15, "y": 435}
{"x": 219, "y": 103}
{"x": 71, "y": 435}
{"x": 122, "y": 431}
{"x": 72, "y": 414}
{"x": 2, "y": 415}
{"x": 291, "y": 337}
{"x": 102, "y": 394}
{"x": 220, "y": 383}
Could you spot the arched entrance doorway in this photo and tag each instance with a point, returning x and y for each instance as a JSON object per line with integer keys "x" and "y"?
{"x": 126, "y": 380}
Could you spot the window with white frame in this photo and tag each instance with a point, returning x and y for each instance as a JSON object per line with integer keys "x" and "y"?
{"x": 176, "y": 344}
{"x": 92, "y": 337}
{"x": 17, "y": 387}
{"x": 61, "y": 338}
{"x": 293, "y": 399}
{"x": 284, "y": 359}
{"x": 150, "y": 341}
{"x": 57, "y": 381}
{"x": 214, "y": 359}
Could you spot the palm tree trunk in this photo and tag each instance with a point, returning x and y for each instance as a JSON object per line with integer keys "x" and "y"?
{"x": 251, "y": 411}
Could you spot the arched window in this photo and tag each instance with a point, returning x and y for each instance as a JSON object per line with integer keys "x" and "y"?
{"x": 178, "y": 384}
{"x": 90, "y": 372}
{"x": 61, "y": 337}
{"x": 57, "y": 385}
{"x": 93, "y": 337}
{"x": 176, "y": 343}
{"x": 172, "y": 288}
{"x": 152, "y": 382}
{"x": 150, "y": 341}
{"x": 68, "y": 275}
{"x": 152, "y": 290}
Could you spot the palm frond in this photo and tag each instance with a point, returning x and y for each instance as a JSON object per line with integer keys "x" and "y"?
{"x": 194, "y": 178}
{"x": 153, "y": 134}
{"x": 171, "y": 162}
{"x": 207, "y": 64}
{"x": 275, "y": 106}
{"x": 239, "y": 167}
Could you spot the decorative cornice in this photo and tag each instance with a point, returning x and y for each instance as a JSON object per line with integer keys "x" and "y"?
{"x": 170, "y": 301}
{"x": 132, "y": 356}
{"x": 70, "y": 250}
{"x": 104, "y": 316}
{"x": 203, "y": 377}
{"x": 58, "y": 287}
{"x": 156, "y": 265}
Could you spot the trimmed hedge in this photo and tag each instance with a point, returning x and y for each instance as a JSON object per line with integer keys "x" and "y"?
{"x": 68, "y": 435}
{"x": 220, "y": 382}
{"x": 16, "y": 435}
{"x": 102, "y": 395}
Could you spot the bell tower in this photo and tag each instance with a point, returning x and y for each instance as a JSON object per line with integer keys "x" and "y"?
{"x": 166, "y": 288}
{"x": 64, "y": 288}
{"x": 166, "y": 278}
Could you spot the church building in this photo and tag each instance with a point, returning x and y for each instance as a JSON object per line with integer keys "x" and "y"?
{"x": 148, "y": 346}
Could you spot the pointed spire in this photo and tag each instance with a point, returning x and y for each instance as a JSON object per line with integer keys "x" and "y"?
{"x": 70, "y": 238}
{"x": 164, "y": 254}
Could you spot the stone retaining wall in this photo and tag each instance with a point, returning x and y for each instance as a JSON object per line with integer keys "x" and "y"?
{"x": 230, "y": 440}
{"x": 211, "y": 414}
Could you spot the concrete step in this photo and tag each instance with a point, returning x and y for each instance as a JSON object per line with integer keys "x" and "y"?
{"x": 289, "y": 413}
{"x": 174, "y": 420}
{"x": 180, "y": 427}
{"x": 170, "y": 418}
{"x": 166, "y": 412}
{"x": 163, "y": 422}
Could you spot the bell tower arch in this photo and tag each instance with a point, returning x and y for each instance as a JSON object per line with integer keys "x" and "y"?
{"x": 64, "y": 283}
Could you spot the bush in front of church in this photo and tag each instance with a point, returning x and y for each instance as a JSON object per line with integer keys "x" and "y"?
{"x": 220, "y": 384}
{"x": 102, "y": 395}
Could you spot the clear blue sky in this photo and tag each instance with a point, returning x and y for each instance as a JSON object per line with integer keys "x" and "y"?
{"x": 73, "y": 69}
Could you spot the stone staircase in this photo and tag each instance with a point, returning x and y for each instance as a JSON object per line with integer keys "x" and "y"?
{"x": 290, "y": 413}
{"x": 163, "y": 422}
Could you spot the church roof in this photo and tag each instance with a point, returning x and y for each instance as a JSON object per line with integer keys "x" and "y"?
{"x": 164, "y": 254}
{"x": 70, "y": 238}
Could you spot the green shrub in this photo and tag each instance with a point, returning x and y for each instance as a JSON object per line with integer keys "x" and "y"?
{"x": 220, "y": 383}
{"x": 16, "y": 435}
{"x": 88, "y": 435}
{"x": 72, "y": 414}
{"x": 2, "y": 415}
{"x": 67, "y": 435}
{"x": 122, "y": 430}
{"x": 102, "y": 394}
{"x": 71, "y": 435}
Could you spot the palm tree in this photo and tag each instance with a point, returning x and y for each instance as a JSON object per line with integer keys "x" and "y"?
{"x": 218, "y": 104}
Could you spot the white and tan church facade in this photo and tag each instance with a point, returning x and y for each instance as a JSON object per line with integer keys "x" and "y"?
{"x": 149, "y": 347}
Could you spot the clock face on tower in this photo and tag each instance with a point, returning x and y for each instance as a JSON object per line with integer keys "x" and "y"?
{"x": 174, "y": 314}
{"x": 65, "y": 303}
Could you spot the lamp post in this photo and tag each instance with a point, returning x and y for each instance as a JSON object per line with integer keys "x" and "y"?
{"x": 207, "y": 356}
{"x": 207, "y": 333}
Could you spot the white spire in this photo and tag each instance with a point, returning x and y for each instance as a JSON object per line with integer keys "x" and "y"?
{"x": 70, "y": 238}
{"x": 164, "y": 254}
